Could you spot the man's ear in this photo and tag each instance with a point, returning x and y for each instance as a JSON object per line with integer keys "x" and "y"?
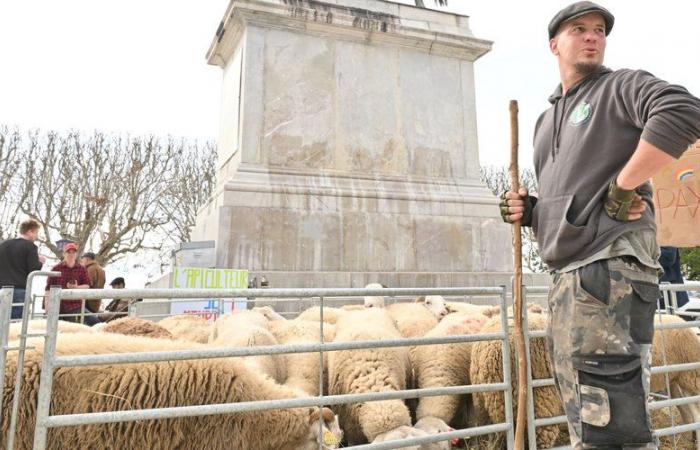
{"x": 553, "y": 46}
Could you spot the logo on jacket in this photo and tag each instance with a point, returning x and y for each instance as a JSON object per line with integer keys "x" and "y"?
{"x": 581, "y": 113}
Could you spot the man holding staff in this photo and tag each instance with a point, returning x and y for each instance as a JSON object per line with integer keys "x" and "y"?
{"x": 605, "y": 135}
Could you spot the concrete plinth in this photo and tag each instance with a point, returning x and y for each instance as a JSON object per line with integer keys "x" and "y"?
{"x": 348, "y": 148}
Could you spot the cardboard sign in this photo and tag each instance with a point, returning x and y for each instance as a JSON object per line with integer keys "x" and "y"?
{"x": 677, "y": 201}
{"x": 205, "y": 278}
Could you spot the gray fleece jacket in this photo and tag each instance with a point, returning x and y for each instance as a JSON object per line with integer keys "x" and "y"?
{"x": 584, "y": 140}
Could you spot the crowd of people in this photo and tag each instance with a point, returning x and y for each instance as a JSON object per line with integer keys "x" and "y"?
{"x": 20, "y": 256}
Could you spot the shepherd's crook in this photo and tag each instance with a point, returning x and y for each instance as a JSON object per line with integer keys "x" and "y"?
{"x": 518, "y": 285}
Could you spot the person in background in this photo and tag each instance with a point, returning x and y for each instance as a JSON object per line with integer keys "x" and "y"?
{"x": 96, "y": 274}
{"x": 117, "y": 307}
{"x": 670, "y": 260}
{"x": 18, "y": 258}
{"x": 73, "y": 276}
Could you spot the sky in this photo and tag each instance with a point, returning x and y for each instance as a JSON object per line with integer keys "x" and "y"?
{"x": 139, "y": 66}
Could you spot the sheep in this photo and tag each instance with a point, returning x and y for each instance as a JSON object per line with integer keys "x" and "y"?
{"x": 369, "y": 370}
{"x": 39, "y": 326}
{"x": 136, "y": 326}
{"x": 125, "y": 387}
{"x": 445, "y": 365}
{"x": 269, "y": 313}
{"x": 374, "y": 301}
{"x": 330, "y": 315}
{"x": 249, "y": 329}
{"x": 469, "y": 308}
{"x": 187, "y": 327}
{"x": 404, "y": 432}
{"x": 302, "y": 368}
{"x": 680, "y": 346}
{"x": 487, "y": 367}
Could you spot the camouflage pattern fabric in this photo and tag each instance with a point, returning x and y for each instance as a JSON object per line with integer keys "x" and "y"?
{"x": 618, "y": 202}
{"x": 600, "y": 329}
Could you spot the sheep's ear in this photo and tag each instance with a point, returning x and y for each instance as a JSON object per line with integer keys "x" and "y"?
{"x": 421, "y": 299}
{"x": 384, "y": 286}
{"x": 327, "y": 413}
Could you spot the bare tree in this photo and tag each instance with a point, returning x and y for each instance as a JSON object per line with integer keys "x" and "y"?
{"x": 10, "y": 158}
{"x": 107, "y": 193}
{"x": 191, "y": 183}
{"x": 498, "y": 180}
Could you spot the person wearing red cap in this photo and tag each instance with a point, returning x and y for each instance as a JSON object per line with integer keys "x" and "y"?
{"x": 73, "y": 276}
{"x": 605, "y": 135}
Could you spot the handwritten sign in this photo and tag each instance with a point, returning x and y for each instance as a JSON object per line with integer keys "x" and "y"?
{"x": 677, "y": 201}
{"x": 204, "y": 278}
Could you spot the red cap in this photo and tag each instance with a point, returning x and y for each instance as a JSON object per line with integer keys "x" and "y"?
{"x": 70, "y": 246}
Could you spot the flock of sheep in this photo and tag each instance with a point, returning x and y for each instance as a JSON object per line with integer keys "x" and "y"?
{"x": 124, "y": 387}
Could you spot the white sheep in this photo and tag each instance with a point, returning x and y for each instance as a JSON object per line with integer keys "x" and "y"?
{"x": 249, "y": 329}
{"x": 39, "y": 326}
{"x": 303, "y": 368}
{"x": 369, "y": 370}
{"x": 330, "y": 314}
{"x": 174, "y": 383}
{"x": 187, "y": 327}
{"x": 269, "y": 313}
{"x": 376, "y": 301}
{"x": 445, "y": 365}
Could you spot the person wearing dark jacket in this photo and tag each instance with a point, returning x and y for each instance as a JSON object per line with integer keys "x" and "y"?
{"x": 605, "y": 135}
{"x": 18, "y": 258}
{"x": 670, "y": 261}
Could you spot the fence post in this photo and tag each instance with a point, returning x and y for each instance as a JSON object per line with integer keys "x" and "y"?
{"x": 46, "y": 379}
{"x": 5, "y": 314}
{"x": 531, "y": 432}
{"x": 508, "y": 393}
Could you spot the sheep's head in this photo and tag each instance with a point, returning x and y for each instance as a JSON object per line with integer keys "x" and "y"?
{"x": 330, "y": 433}
{"x": 433, "y": 425}
{"x": 435, "y": 304}
{"x": 374, "y": 301}
{"x": 269, "y": 313}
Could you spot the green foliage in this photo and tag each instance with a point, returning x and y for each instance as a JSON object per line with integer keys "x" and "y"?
{"x": 690, "y": 263}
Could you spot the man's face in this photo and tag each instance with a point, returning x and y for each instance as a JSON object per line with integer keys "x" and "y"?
{"x": 33, "y": 235}
{"x": 84, "y": 261}
{"x": 117, "y": 286}
{"x": 580, "y": 43}
{"x": 70, "y": 256}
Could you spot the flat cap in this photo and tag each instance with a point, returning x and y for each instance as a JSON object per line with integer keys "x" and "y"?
{"x": 579, "y": 9}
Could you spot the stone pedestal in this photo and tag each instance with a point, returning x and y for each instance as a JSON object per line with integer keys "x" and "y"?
{"x": 348, "y": 148}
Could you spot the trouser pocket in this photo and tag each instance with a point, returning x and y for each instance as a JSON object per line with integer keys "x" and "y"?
{"x": 643, "y": 307}
{"x": 612, "y": 399}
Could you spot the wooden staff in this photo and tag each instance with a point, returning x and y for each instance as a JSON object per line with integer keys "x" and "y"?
{"x": 518, "y": 285}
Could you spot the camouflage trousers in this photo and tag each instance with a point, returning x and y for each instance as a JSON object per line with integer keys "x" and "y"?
{"x": 601, "y": 324}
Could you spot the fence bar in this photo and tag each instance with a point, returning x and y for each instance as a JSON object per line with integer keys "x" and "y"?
{"x": 675, "y": 368}
{"x": 262, "y": 405}
{"x": 678, "y": 429}
{"x": 531, "y": 437}
{"x": 5, "y": 314}
{"x": 177, "y": 355}
{"x": 320, "y": 378}
{"x": 544, "y": 382}
{"x": 544, "y": 421}
{"x": 19, "y": 369}
{"x": 96, "y": 294}
{"x": 674, "y": 402}
{"x": 46, "y": 378}
{"x": 508, "y": 394}
{"x": 464, "y": 433}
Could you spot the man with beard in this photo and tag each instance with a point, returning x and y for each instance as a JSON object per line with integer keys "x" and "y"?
{"x": 605, "y": 135}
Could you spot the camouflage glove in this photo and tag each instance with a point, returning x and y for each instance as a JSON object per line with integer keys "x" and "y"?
{"x": 529, "y": 204}
{"x": 618, "y": 202}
